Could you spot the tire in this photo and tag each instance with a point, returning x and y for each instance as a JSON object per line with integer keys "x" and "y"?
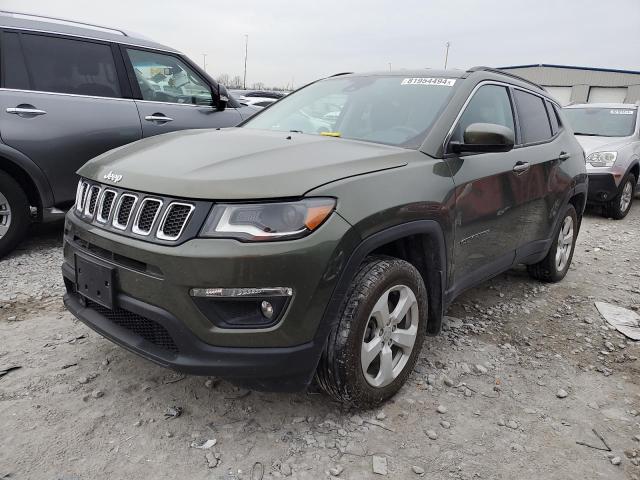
{"x": 340, "y": 372}
{"x": 14, "y": 214}
{"x": 619, "y": 207}
{"x": 555, "y": 265}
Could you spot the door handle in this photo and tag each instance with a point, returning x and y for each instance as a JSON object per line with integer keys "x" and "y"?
{"x": 521, "y": 167}
{"x": 26, "y": 111}
{"x": 158, "y": 117}
{"x": 564, "y": 156}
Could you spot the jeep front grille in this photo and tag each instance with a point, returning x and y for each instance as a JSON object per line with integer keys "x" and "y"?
{"x": 137, "y": 214}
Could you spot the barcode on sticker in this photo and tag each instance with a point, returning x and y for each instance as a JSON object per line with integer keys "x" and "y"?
{"x": 621, "y": 112}
{"x": 445, "y": 82}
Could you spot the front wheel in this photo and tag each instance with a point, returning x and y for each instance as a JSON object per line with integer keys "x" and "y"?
{"x": 14, "y": 214}
{"x": 372, "y": 350}
{"x": 555, "y": 265}
{"x": 619, "y": 207}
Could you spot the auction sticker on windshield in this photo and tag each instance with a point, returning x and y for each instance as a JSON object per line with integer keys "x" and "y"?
{"x": 621, "y": 112}
{"x": 445, "y": 82}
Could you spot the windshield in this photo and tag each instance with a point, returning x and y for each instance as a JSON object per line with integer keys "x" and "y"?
{"x": 602, "y": 122}
{"x": 393, "y": 110}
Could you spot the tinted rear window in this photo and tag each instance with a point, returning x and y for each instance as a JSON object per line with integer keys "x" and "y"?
{"x": 13, "y": 68}
{"x": 532, "y": 114}
{"x": 70, "y": 66}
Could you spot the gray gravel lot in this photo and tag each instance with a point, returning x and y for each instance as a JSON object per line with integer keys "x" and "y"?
{"x": 522, "y": 372}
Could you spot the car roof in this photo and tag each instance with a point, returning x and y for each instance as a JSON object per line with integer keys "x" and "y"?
{"x": 39, "y": 23}
{"x": 603, "y": 105}
{"x": 425, "y": 72}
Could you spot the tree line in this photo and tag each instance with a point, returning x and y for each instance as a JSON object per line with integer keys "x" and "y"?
{"x": 235, "y": 82}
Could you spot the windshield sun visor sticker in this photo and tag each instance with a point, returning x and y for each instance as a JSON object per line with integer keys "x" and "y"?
{"x": 444, "y": 82}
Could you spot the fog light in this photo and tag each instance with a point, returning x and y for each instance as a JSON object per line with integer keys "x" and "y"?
{"x": 267, "y": 309}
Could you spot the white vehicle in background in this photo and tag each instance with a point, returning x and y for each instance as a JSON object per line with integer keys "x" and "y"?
{"x": 258, "y": 98}
{"x": 610, "y": 136}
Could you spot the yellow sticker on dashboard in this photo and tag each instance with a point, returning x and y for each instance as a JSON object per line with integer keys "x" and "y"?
{"x": 330, "y": 134}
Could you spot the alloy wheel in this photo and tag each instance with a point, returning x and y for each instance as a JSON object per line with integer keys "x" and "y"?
{"x": 625, "y": 196}
{"x": 389, "y": 336}
{"x": 565, "y": 244}
{"x": 5, "y": 215}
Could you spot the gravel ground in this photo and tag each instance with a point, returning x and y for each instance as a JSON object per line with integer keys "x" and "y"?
{"x": 522, "y": 372}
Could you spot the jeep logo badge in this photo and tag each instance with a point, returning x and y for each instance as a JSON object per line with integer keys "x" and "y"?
{"x": 113, "y": 177}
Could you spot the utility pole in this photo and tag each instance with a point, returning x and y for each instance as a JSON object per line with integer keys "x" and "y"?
{"x": 246, "y": 50}
{"x": 446, "y": 55}
{"x": 389, "y": 66}
{"x": 204, "y": 61}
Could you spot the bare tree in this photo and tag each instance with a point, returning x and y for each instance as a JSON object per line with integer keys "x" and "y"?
{"x": 224, "y": 79}
{"x": 258, "y": 86}
{"x": 236, "y": 82}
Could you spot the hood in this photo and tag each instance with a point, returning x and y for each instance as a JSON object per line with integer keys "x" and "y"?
{"x": 238, "y": 163}
{"x": 601, "y": 144}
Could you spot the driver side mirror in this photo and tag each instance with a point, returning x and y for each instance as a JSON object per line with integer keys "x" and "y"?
{"x": 484, "y": 138}
{"x": 221, "y": 102}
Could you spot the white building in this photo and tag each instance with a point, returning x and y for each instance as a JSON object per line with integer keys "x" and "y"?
{"x": 570, "y": 84}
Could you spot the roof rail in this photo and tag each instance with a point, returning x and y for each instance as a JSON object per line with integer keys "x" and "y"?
{"x": 62, "y": 21}
{"x": 508, "y": 74}
{"x": 341, "y": 73}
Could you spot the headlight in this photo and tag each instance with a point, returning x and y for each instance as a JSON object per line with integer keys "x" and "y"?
{"x": 602, "y": 159}
{"x": 260, "y": 222}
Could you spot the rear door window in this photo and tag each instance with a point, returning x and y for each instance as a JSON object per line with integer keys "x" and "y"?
{"x": 490, "y": 104}
{"x": 14, "y": 69}
{"x": 70, "y": 66}
{"x": 533, "y": 118}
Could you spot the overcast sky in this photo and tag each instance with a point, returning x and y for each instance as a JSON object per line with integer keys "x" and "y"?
{"x": 304, "y": 40}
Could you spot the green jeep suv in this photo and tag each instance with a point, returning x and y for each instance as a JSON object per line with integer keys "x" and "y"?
{"x": 324, "y": 237}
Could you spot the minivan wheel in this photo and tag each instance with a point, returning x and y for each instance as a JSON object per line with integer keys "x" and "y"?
{"x": 375, "y": 345}
{"x": 14, "y": 214}
{"x": 619, "y": 207}
{"x": 555, "y": 265}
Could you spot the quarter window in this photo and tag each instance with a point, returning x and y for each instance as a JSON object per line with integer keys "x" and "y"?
{"x": 552, "y": 117}
{"x": 165, "y": 78}
{"x": 533, "y": 118}
{"x": 490, "y": 104}
{"x": 67, "y": 66}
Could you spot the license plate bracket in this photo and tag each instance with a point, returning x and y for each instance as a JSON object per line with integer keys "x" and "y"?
{"x": 95, "y": 281}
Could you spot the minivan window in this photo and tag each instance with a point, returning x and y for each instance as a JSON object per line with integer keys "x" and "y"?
{"x": 533, "y": 118}
{"x": 489, "y": 104}
{"x": 70, "y": 66}
{"x": 602, "y": 122}
{"x": 165, "y": 78}
{"x": 392, "y": 109}
{"x": 14, "y": 69}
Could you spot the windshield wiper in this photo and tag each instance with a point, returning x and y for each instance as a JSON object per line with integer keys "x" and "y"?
{"x": 296, "y": 131}
{"x": 587, "y": 134}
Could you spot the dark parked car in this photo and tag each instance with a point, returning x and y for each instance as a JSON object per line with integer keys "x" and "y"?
{"x": 70, "y": 91}
{"x": 293, "y": 250}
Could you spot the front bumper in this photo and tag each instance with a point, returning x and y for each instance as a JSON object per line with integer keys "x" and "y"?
{"x": 602, "y": 187}
{"x": 155, "y": 317}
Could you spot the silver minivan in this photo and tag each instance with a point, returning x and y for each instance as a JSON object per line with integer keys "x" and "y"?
{"x": 70, "y": 91}
{"x": 610, "y": 136}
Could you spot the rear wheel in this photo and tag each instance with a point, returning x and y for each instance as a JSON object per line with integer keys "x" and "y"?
{"x": 619, "y": 207}
{"x": 14, "y": 214}
{"x": 373, "y": 349}
{"x": 555, "y": 265}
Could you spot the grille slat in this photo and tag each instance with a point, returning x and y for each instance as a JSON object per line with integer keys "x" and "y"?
{"x": 144, "y": 327}
{"x": 82, "y": 195}
{"x": 106, "y": 204}
{"x": 123, "y": 211}
{"x": 174, "y": 221}
{"x": 94, "y": 193}
{"x": 146, "y": 217}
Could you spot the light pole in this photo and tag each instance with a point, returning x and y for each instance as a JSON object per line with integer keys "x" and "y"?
{"x": 446, "y": 55}
{"x": 204, "y": 61}
{"x": 246, "y": 50}
{"x": 389, "y": 66}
